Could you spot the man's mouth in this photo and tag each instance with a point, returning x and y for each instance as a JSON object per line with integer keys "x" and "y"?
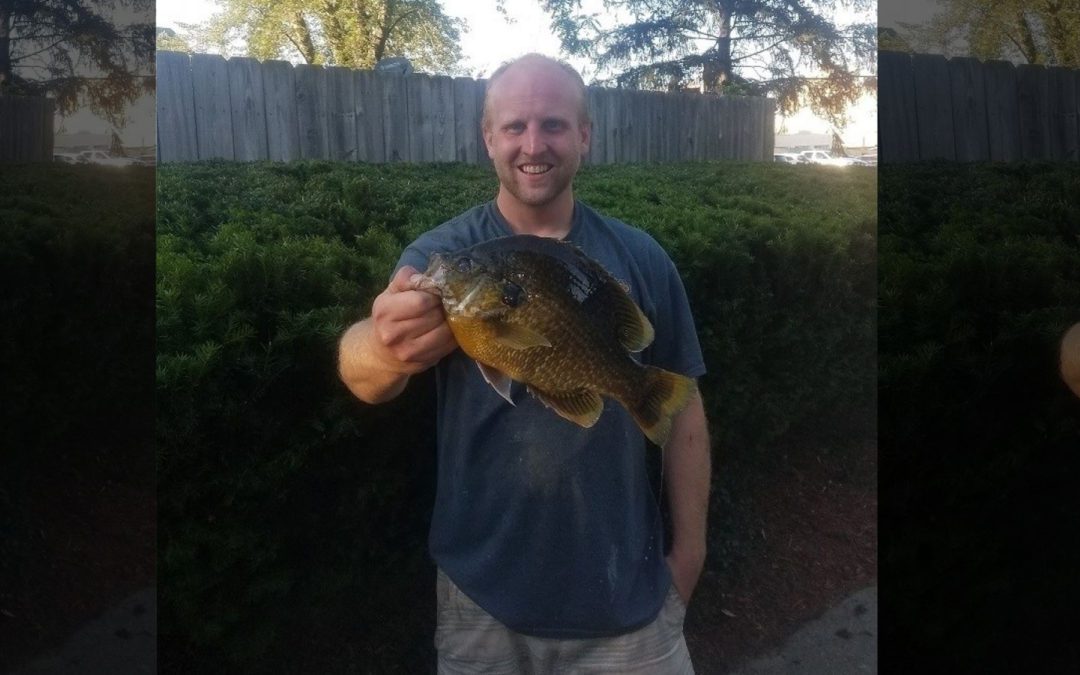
{"x": 534, "y": 169}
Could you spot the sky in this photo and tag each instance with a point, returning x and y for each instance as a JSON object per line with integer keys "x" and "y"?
{"x": 491, "y": 40}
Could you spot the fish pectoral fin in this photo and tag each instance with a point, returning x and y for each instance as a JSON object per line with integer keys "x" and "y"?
{"x": 519, "y": 337}
{"x": 633, "y": 329}
{"x": 582, "y": 407}
{"x": 498, "y": 380}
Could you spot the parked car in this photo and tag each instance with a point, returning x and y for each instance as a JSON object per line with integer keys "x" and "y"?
{"x": 871, "y": 160}
{"x": 786, "y": 158}
{"x": 105, "y": 159}
{"x": 826, "y": 158}
{"x": 65, "y": 157}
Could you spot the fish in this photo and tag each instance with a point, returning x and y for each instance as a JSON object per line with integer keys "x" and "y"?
{"x": 539, "y": 311}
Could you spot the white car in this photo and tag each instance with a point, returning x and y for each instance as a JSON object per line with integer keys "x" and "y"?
{"x": 66, "y": 157}
{"x": 104, "y": 158}
{"x": 824, "y": 157}
{"x": 787, "y": 158}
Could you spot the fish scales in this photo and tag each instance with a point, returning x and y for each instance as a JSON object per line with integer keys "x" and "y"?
{"x": 541, "y": 312}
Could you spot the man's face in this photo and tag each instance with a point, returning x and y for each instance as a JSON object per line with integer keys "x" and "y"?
{"x": 534, "y": 136}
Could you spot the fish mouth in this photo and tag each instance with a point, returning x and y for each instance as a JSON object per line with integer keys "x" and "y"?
{"x": 433, "y": 280}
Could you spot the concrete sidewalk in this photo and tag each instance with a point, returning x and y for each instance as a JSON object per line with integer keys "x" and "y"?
{"x": 842, "y": 641}
{"x": 121, "y": 641}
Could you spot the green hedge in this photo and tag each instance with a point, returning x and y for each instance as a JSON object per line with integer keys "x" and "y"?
{"x": 292, "y": 514}
{"x": 979, "y": 278}
{"x": 76, "y": 335}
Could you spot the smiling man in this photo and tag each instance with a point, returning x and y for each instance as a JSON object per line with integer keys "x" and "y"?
{"x": 547, "y": 536}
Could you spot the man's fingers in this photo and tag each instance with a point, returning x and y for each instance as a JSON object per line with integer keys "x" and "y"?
{"x": 402, "y": 279}
{"x": 419, "y": 324}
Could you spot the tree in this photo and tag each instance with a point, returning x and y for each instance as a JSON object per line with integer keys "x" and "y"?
{"x": 76, "y": 52}
{"x": 1044, "y": 31}
{"x": 352, "y": 33}
{"x": 889, "y": 39}
{"x": 793, "y": 49}
{"x": 169, "y": 40}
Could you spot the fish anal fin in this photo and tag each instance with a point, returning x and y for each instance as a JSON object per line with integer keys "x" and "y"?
{"x": 498, "y": 380}
{"x": 582, "y": 407}
{"x": 516, "y": 336}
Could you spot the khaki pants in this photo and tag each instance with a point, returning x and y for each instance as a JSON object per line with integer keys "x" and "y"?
{"x": 469, "y": 640}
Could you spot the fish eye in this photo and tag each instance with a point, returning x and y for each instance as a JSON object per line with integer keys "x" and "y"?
{"x": 464, "y": 265}
{"x": 512, "y": 294}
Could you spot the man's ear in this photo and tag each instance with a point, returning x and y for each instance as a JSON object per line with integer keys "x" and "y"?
{"x": 586, "y": 137}
{"x": 488, "y": 138}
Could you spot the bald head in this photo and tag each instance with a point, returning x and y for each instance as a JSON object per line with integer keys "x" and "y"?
{"x": 534, "y": 63}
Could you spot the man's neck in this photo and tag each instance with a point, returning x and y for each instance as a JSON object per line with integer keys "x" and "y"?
{"x": 551, "y": 220}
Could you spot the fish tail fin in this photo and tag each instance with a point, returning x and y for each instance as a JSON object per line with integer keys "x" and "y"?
{"x": 663, "y": 395}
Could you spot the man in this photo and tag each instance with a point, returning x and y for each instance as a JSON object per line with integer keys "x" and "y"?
{"x": 547, "y": 536}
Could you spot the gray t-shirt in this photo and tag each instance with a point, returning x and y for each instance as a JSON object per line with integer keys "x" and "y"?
{"x": 551, "y": 528}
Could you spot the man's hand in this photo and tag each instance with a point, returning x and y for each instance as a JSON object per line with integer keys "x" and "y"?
{"x": 405, "y": 334}
{"x": 409, "y": 331}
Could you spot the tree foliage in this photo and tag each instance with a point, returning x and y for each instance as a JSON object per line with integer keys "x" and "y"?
{"x": 800, "y": 51}
{"x": 351, "y": 33}
{"x": 79, "y": 52}
{"x": 1043, "y": 32}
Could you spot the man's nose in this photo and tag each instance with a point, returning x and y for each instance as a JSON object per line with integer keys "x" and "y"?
{"x": 533, "y": 143}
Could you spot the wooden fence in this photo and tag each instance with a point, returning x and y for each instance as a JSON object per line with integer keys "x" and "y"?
{"x": 243, "y": 109}
{"x": 26, "y": 129}
{"x": 967, "y": 110}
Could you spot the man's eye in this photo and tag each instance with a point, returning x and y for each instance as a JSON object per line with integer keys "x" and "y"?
{"x": 553, "y": 125}
{"x": 515, "y": 128}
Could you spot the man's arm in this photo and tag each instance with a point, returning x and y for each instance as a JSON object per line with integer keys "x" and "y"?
{"x": 405, "y": 334}
{"x": 687, "y": 480}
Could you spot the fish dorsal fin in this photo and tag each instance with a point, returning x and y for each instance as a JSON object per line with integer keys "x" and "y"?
{"x": 498, "y": 380}
{"x": 582, "y": 407}
{"x": 611, "y": 303}
{"x": 516, "y": 336}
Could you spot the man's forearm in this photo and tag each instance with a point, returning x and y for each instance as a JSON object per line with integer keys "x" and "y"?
{"x": 365, "y": 376}
{"x": 687, "y": 470}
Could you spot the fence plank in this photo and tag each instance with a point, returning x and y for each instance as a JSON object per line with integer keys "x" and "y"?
{"x": 1003, "y": 113}
{"x": 1033, "y": 103}
{"x": 175, "y": 109}
{"x": 370, "y": 143}
{"x": 972, "y": 135}
{"x": 594, "y": 99}
{"x": 1076, "y": 108}
{"x": 899, "y": 135}
{"x": 311, "y": 114}
{"x": 246, "y": 101}
{"x": 341, "y": 115}
{"x": 210, "y": 82}
{"x": 1062, "y": 105}
{"x": 395, "y": 117}
{"x": 421, "y": 130}
{"x": 481, "y": 146}
{"x": 612, "y": 132}
{"x": 466, "y": 120}
{"x": 933, "y": 105}
{"x": 282, "y": 119}
{"x": 442, "y": 119}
